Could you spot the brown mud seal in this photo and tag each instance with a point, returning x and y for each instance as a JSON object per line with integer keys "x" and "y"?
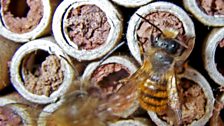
{"x": 87, "y": 26}
{"x": 46, "y": 78}
{"x": 9, "y": 118}
{"x": 108, "y": 76}
{"x": 212, "y": 7}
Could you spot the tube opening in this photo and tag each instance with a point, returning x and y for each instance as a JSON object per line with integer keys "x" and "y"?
{"x": 108, "y": 76}
{"x": 219, "y": 57}
{"x": 9, "y": 118}
{"x": 211, "y": 7}
{"x": 19, "y": 8}
{"x": 21, "y": 16}
{"x": 42, "y": 73}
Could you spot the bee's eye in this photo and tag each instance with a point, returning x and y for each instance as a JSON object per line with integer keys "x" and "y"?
{"x": 172, "y": 48}
{"x": 156, "y": 39}
{"x": 165, "y": 45}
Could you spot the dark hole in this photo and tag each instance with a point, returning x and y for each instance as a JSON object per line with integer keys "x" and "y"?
{"x": 219, "y": 59}
{"x": 113, "y": 78}
{"x": 19, "y": 8}
{"x": 33, "y": 61}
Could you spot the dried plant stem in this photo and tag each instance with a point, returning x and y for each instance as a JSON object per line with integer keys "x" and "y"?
{"x": 27, "y": 111}
{"x": 42, "y": 27}
{"x": 211, "y": 44}
{"x": 87, "y": 50}
{"x": 210, "y": 20}
{"x": 103, "y": 75}
{"x": 7, "y": 49}
{"x": 27, "y": 57}
{"x": 131, "y": 3}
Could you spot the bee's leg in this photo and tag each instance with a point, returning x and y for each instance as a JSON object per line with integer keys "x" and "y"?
{"x": 221, "y": 89}
{"x": 174, "y": 102}
{"x": 216, "y": 117}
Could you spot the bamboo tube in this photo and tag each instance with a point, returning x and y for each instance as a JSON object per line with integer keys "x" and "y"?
{"x": 17, "y": 111}
{"x": 41, "y": 72}
{"x": 132, "y": 122}
{"x": 207, "y": 12}
{"x": 25, "y": 20}
{"x": 7, "y": 50}
{"x": 78, "y": 108}
{"x": 86, "y": 37}
{"x": 159, "y": 13}
{"x": 106, "y": 76}
{"x": 192, "y": 112}
{"x": 45, "y": 115}
{"x": 210, "y": 55}
{"x": 131, "y": 3}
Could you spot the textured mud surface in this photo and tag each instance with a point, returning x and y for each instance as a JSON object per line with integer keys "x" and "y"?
{"x": 88, "y": 26}
{"x": 212, "y": 7}
{"x": 22, "y": 16}
{"x": 46, "y": 79}
{"x": 108, "y": 76}
{"x": 9, "y": 118}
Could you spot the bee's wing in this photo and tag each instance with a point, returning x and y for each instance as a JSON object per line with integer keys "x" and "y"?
{"x": 174, "y": 101}
{"x": 124, "y": 101}
{"x": 76, "y": 109}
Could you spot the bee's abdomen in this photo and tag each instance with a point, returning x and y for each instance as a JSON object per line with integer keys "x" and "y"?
{"x": 153, "y": 97}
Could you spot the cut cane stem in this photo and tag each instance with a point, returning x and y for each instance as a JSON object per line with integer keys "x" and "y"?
{"x": 41, "y": 72}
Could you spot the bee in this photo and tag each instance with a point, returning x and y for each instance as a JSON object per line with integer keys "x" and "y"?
{"x": 80, "y": 107}
{"x": 216, "y": 119}
{"x": 154, "y": 84}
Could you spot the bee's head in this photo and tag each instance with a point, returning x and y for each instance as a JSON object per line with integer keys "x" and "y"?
{"x": 166, "y": 40}
{"x": 169, "y": 45}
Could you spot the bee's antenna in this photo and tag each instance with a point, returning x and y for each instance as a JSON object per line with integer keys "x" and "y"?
{"x": 113, "y": 50}
{"x": 150, "y": 23}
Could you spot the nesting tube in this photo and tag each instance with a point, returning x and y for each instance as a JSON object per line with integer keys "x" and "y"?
{"x": 40, "y": 71}
{"x": 196, "y": 98}
{"x": 132, "y": 122}
{"x": 25, "y": 20}
{"x": 212, "y": 55}
{"x": 208, "y": 12}
{"x": 131, "y": 3}
{"x": 106, "y": 76}
{"x": 7, "y": 49}
{"x": 164, "y": 15}
{"x": 77, "y": 108}
{"x": 87, "y": 29}
{"x": 44, "y": 116}
{"x": 14, "y": 111}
